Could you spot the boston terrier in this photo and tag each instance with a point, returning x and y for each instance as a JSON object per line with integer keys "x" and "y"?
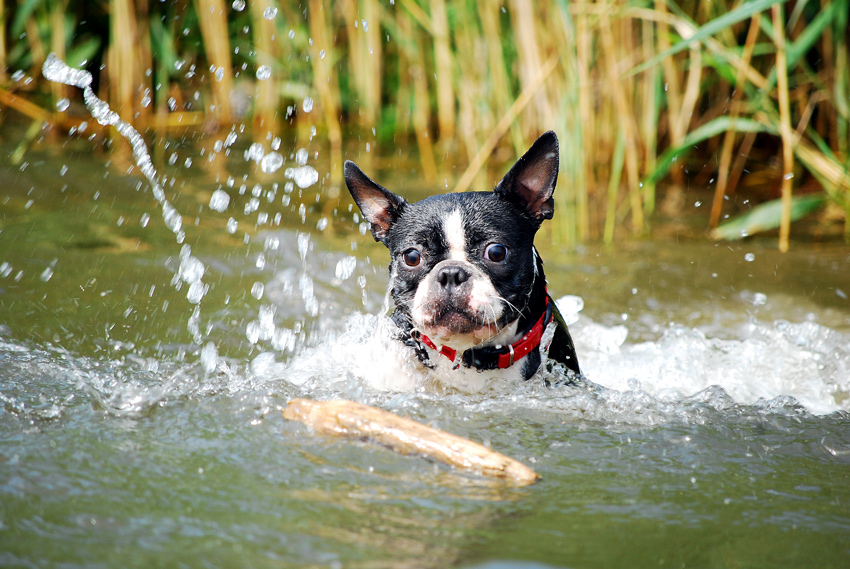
{"x": 468, "y": 285}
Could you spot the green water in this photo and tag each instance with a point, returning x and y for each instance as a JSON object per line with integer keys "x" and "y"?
{"x": 731, "y": 447}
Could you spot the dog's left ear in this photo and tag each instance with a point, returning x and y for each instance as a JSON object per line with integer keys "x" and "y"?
{"x": 530, "y": 183}
{"x": 379, "y": 206}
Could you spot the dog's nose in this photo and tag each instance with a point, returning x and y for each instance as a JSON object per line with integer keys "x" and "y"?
{"x": 452, "y": 276}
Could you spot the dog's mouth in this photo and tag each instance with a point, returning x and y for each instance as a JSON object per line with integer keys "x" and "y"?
{"x": 456, "y": 321}
{"x": 450, "y": 320}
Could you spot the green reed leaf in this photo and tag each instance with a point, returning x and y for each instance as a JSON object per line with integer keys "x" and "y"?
{"x": 767, "y": 216}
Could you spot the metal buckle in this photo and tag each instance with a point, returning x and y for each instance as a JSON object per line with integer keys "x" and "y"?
{"x": 511, "y": 349}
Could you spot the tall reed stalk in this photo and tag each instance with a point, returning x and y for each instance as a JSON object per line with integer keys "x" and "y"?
{"x": 650, "y": 99}
{"x": 322, "y": 81}
{"x": 266, "y": 101}
{"x": 212, "y": 20}
{"x": 3, "y": 56}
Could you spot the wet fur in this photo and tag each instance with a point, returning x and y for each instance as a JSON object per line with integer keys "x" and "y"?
{"x": 499, "y": 301}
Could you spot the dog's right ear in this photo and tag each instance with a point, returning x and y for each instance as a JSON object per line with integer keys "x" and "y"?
{"x": 379, "y": 206}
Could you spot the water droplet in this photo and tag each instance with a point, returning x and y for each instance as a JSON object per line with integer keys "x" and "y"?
{"x": 187, "y": 163}
{"x": 232, "y": 224}
{"x": 272, "y": 243}
{"x": 219, "y": 200}
{"x": 196, "y": 292}
{"x": 321, "y": 54}
{"x": 270, "y": 13}
{"x": 749, "y": 257}
{"x": 257, "y": 290}
{"x": 62, "y": 105}
{"x": 304, "y": 177}
{"x": 209, "y": 353}
{"x": 63, "y": 170}
{"x": 231, "y": 138}
{"x": 308, "y": 104}
{"x": 19, "y": 74}
{"x": 238, "y": 5}
{"x": 172, "y": 105}
{"x": 252, "y": 331}
{"x": 218, "y": 146}
{"x": 303, "y": 245}
{"x": 345, "y": 267}
{"x": 271, "y": 162}
{"x": 759, "y": 299}
{"x": 255, "y": 152}
{"x": 788, "y": 176}
{"x": 47, "y": 273}
{"x": 219, "y": 74}
{"x": 252, "y": 206}
{"x": 301, "y": 156}
{"x": 291, "y": 34}
{"x": 322, "y": 224}
{"x": 264, "y": 72}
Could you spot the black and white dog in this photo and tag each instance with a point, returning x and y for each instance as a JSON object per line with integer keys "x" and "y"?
{"x": 468, "y": 285}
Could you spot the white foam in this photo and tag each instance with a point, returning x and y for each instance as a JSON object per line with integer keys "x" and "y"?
{"x": 805, "y": 361}
{"x": 769, "y": 366}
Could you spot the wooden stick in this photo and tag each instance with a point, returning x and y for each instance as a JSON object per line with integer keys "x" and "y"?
{"x": 344, "y": 418}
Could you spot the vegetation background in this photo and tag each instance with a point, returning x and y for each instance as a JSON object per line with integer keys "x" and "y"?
{"x": 748, "y": 98}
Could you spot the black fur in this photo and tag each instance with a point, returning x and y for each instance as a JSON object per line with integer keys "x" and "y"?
{"x": 510, "y": 215}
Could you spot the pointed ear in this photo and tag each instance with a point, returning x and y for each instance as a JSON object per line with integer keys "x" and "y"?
{"x": 379, "y": 206}
{"x": 531, "y": 182}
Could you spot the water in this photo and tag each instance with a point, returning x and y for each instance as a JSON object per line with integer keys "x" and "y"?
{"x": 142, "y": 381}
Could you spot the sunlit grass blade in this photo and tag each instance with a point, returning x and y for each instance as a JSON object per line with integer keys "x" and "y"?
{"x": 700, "y": 134}
{"x": 723, "y": 175}
{"x": 767, "y": 216}
{"x": 613, "y": 185}
{"x": 739, "y": 14}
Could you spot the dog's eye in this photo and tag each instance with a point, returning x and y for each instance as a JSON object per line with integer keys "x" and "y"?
{"x": 496, "y": 252}
{"x": 412, "y": 257}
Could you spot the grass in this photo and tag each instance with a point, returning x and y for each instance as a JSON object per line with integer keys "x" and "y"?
{"x": 644, "y": 94}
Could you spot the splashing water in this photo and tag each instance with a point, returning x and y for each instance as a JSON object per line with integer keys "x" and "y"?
{"x": 653, "y": 379}
{"x": 271, "y": 162}
{"x": 56, "y": 70}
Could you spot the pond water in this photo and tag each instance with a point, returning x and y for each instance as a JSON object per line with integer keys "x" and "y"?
{"x": 142, "y": 382}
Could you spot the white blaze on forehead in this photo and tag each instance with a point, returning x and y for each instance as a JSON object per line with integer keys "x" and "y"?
{"x": 455, "y": 235}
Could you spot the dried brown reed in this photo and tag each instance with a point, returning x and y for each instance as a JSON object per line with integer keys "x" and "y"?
{"x": 639, "y": 93}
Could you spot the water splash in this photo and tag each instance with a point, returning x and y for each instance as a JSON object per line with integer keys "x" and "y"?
{"x": 56, "y": 70}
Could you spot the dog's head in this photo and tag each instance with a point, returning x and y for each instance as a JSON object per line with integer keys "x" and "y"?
{"x": 463, "y": 265}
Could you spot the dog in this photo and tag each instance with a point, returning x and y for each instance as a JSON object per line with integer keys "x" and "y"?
{"x": 468, "y": 284}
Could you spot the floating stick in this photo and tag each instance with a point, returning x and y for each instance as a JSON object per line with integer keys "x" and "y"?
{"x": 344, "y": 418}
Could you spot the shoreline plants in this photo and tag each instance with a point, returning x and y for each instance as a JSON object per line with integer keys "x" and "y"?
{"x": 644, "y": 94}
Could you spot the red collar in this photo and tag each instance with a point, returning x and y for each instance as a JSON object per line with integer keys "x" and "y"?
{"x": 498, "y": 358}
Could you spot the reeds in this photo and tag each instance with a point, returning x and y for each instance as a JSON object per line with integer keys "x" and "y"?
{"x": 649, "y": 99}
